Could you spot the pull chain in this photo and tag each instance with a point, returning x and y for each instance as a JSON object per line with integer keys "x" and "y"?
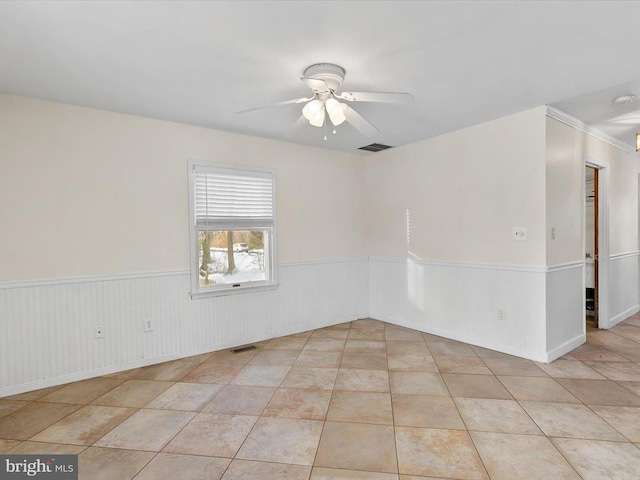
{"x": 325, "y": 129}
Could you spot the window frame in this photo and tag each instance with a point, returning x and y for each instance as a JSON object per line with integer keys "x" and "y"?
{"x": 271, "y": 280}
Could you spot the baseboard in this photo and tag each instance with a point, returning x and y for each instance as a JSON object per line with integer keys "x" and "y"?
{"x": 565, "y": 348}
{"x": 623, "y": 316}
{"x": 537, "y": 357}
{"x": 75, "y": 377}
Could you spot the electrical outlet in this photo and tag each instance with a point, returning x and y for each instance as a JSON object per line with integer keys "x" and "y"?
{"x": 519, "y": 233}
{"x": 502, "y": 315}
{"x": 148, "y": 324}
{"x": 553, "y": 233}
{"x": 99, "y": 331}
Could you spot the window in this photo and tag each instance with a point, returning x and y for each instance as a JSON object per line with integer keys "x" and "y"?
{"x": 232, "y": 228}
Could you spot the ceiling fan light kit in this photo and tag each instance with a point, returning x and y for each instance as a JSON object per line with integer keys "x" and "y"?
{"x": 324, "y": 79}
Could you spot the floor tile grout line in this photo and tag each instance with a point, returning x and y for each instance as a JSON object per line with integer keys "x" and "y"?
{"x": 475, "y": 447}
{"x": 254, "y": 424}
{"x": 80, "y": 406}
{"x": 548, "y": 437}
{"x": 261, "y": 413}
{"x": 143, "y": 467}
{"x": 190, "y": 421}
{"x": 607, "y": 347}
{"x": 324, "y": 422}
{"x": 466, "y": 429}
{"x": 623, "y": 386}
{"x": 393, "y": 413}
{"x": 607, "y": 422}
{"x": 622, "y": 336}
{"x": 575, "y": 469}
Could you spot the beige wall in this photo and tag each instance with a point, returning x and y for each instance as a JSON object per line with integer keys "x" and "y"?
{"x": 89, "y": 192}
{"x": 567, "y": 151}
{"x": 623, "y": 199}
{"x": 565, "y": 202}
{"x": 457, "y": 197}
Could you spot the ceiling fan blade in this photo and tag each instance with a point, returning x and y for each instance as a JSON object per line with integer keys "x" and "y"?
{"x": 295, "y": 130}
{"x": 285, "y": 102}
{"x": 382, "y": 97}
{"x": 358, "y": 122}
{"x": 317, "y": 85}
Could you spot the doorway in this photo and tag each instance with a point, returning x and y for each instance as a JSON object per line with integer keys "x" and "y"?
{"x": 591, "y": 246}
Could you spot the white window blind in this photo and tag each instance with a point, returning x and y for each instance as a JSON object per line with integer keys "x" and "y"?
{"x": 232, "y": 199}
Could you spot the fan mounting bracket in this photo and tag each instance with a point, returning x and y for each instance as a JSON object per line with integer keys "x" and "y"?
{"x": 331, "y": 74}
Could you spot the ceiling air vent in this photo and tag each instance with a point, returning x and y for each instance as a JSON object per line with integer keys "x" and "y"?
{"x": 375, "y": 147}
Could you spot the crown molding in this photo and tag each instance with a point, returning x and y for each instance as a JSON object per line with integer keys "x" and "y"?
{"x": 589, "y": 130}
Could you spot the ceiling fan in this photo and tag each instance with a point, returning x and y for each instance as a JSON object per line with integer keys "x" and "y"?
{"x": 324, "y": 106}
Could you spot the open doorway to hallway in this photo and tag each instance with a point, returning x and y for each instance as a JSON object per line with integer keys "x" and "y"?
{"x": 591, "y": 246}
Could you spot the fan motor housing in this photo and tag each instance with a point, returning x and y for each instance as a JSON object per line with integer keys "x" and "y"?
{"x": 332, "y": 74}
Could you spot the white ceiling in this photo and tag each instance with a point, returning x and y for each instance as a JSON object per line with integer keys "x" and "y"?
{"x": 621, "y": 121}
{"x": 200, "y": 62}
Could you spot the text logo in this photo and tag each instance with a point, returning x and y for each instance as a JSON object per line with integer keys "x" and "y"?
{"x": 54, "y": 467}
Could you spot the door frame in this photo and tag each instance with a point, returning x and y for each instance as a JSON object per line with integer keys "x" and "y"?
{"x": 603, "y": 239}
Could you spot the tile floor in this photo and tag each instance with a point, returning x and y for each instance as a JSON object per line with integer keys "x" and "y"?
{"x": 360, "y": 400}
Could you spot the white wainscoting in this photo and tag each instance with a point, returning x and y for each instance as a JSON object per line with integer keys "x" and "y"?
{"x": 565, "y": 305}
{"x": 623, "y": 287}
{"x": 461, "y": 301}
{"x": 47, "y": 326}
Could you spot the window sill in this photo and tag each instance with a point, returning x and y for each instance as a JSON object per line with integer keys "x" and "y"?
{"x": 229, "y": 290}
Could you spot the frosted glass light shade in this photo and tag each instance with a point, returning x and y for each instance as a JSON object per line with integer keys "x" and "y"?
{"x": 335, "y": 111}
{"x": 312, "y": 109}
{"x": 314, "y": 112}
{"x": 318, "y": 119}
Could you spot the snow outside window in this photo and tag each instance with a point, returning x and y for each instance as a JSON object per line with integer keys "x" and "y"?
{"x": 232, "y": 219}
